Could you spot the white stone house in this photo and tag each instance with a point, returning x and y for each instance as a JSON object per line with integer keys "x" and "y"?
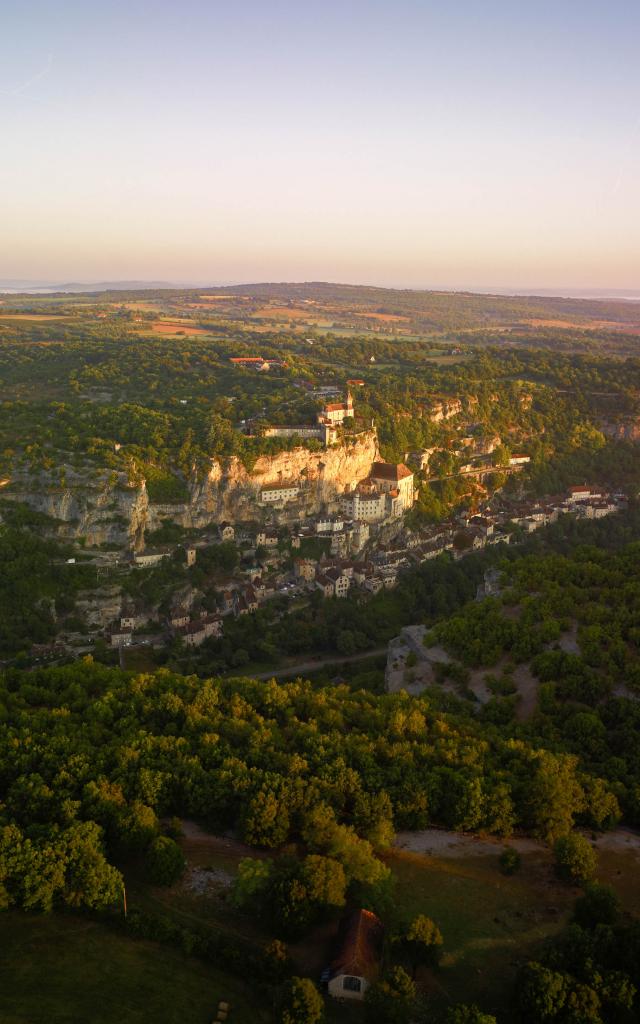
{"x": 389, "y": 477}
{"x": 275, "y": 494}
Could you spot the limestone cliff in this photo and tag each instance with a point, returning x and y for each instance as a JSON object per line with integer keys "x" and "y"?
{"x": 230, "y": 491}
{"x": 444, "y": 410}
{"x": 97, "y": 505}
{"x": 106, "y": 509}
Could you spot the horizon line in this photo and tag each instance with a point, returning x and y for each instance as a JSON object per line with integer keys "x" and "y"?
{"x": 20, "y": 286}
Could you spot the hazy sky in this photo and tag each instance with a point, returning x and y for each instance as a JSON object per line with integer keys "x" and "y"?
{"x": 454, "y": 143}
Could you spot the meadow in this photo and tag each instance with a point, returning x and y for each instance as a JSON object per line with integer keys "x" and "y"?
{"x": 64, "y": 969}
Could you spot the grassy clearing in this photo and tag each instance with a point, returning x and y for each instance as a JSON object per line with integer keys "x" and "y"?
{"x": 70, "y": 970}
{"x": 491, "y": 923}
{"x": 66, "y": 969}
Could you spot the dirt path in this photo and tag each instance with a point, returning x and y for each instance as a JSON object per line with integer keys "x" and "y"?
{"x": 194, "y": 835}
{"x": 435, "y": 842}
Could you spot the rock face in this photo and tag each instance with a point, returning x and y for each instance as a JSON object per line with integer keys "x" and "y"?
{"x": 102, "y": 607}
{"x": 103, "y": 508}
{"x": 107, "y": 509}
{"x": 398, "y": 675}
{"x": 445, "y": 410}
{"x": 231, "y": 492}
{"x": 626, "y": 430}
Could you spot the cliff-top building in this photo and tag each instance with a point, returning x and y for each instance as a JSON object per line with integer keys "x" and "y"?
{"x": 336, "y": 412}
{"x": 390, "y": 477}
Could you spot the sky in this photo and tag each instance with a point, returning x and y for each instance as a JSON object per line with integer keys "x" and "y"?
{"x": 407, "y": 143}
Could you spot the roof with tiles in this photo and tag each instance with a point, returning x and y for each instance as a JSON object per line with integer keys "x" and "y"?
{"x": 359, "y": 945}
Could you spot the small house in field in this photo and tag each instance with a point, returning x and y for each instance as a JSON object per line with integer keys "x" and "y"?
{"x": 358, "y": 955}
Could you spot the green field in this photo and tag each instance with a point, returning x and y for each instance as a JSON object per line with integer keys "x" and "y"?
{"x": 491, "y": 923}
{"x": 70, "y": 970}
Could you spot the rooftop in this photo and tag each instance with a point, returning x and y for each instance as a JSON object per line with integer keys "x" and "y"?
{"x": 390, "y": 471}
{"x": 359, "y": 945}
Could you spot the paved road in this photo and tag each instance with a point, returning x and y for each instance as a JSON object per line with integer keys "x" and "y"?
{"x": 312, "y": 666}
{"x": 476, "y": 472}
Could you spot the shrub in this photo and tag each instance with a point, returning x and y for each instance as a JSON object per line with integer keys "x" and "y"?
{"x": 463, "y": 1014}
{"x": 575, "y": 858}
{"x": 599, "y": 905}
{"x": 165, "y": 861}
{"x": 510, "y": 861}
{"x": 300, "y": 1003}
{"x": 391, "y": 1000}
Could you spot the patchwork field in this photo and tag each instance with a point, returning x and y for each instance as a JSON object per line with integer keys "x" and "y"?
{"x": 33, "y": 317}
{"x": 603, "y": 325}
{"x": 281, "y": 313}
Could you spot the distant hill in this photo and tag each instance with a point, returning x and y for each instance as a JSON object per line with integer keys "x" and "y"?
{"x": 44, "y": 287}
{"x": 446, "y": 309}
{"x": 419, "y": 311}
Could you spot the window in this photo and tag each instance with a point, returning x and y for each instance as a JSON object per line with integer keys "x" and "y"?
{"x": 350, "y": 984}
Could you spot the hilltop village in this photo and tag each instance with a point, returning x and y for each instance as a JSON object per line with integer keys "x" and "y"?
{"x": 347, "y": 536}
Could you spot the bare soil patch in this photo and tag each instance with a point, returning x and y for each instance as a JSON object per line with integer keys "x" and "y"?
{"x": 175, "y": 327}
{"x": 205, "y": 881}
{"x": 435, "y": 842}
{"x": 282, "y": 313}
{"x": 34, "y": 316}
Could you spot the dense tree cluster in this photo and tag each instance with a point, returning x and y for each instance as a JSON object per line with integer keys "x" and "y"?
{"x": 590, "y": 974}
{"x": 332, "y": 769}
{"x": 585, "y": 704}
{"x": 37, "y": 586}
